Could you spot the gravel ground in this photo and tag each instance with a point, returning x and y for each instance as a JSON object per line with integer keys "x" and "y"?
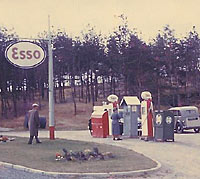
{"x": 179, "y": 159}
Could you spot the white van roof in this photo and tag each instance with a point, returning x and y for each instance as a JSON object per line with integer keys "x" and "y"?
{"x": 184, "y": 108}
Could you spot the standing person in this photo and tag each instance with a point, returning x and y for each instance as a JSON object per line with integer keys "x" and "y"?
{"x": 33, "y": 122}
{"x": 115, "y": 125}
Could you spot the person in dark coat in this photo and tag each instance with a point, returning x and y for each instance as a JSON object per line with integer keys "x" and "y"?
{"x": 115, "y": 125}
{"x": 33, "y": 123}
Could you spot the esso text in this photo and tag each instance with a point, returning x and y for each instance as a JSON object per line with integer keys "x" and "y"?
{"x": 25, "y": 54}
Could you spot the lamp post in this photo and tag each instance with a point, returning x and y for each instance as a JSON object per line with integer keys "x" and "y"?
{"x": 51, "y": 85}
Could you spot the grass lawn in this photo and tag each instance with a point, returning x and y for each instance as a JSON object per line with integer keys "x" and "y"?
{"x": 42, "y": 156}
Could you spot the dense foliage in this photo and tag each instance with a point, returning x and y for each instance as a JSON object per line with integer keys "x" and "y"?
{"x": 94, "y": 66}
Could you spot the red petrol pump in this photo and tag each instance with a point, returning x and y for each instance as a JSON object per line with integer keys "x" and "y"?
{"x": 100, "y": 123}
{"x": 147, "y": 116}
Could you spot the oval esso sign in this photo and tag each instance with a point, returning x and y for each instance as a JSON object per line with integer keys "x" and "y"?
{"x": 25, "y": 54}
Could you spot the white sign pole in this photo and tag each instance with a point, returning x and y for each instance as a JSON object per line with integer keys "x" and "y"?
{"x": 51, "y": 85}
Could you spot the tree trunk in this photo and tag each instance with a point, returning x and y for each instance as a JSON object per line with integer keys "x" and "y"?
{"x": 42, "y": 90}
{"x": 158, "y": 98}
{"x": 63, "y": 90}
{"x": 186, "y": 90}
{"x": 60, "y": 91}
{"x": 88, "y": 88}
{"x": 4, "y": 107}
{"x": 111, "y": 84}
{"x": 92, "y": 88}
{"x": 82, "y": 86}
{"x": 114, "y": 86}
{"x": 104, "y": 94}
{"x": 14, "y": 100}
{"x": 96, "y": 88}
{"x": 126, "y": 85}
{"x": 74, "y": 101}
{"x": 55, "y": 94}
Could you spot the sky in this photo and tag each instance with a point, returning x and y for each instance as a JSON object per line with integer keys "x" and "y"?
{"x": 29, "y": 17}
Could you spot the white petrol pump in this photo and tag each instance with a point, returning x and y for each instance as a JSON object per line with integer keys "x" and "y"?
{"x": 147, "y": 115}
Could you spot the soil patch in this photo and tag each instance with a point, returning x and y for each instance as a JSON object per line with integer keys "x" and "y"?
{"x": 42, "y": 156}
{"x": 64, "y": 117}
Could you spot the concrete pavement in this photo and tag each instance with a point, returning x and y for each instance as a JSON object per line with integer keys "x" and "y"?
{"x": 5, "y": 129}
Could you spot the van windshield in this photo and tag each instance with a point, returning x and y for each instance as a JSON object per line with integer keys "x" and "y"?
{"x": 176, "y": 112}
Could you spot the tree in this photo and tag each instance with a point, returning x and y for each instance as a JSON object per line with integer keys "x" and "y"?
{"x": 189, "y": 57}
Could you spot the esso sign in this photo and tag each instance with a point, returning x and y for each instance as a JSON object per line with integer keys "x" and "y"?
{"x": 25, "y": 54}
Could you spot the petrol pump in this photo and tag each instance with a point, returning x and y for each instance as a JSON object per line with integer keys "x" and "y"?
{"x": 99, "y": 122}
{"x": 109, "y": 108}
{"x": 131, "y": 110}
{"x": 147, "y": 115}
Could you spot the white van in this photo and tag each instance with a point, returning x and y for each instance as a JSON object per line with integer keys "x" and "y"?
{"x": 186, "y": 117}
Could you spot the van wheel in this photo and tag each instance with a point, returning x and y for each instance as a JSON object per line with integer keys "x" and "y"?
{"x": 196, "y": 130}
{"x": 179, "y": 129}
